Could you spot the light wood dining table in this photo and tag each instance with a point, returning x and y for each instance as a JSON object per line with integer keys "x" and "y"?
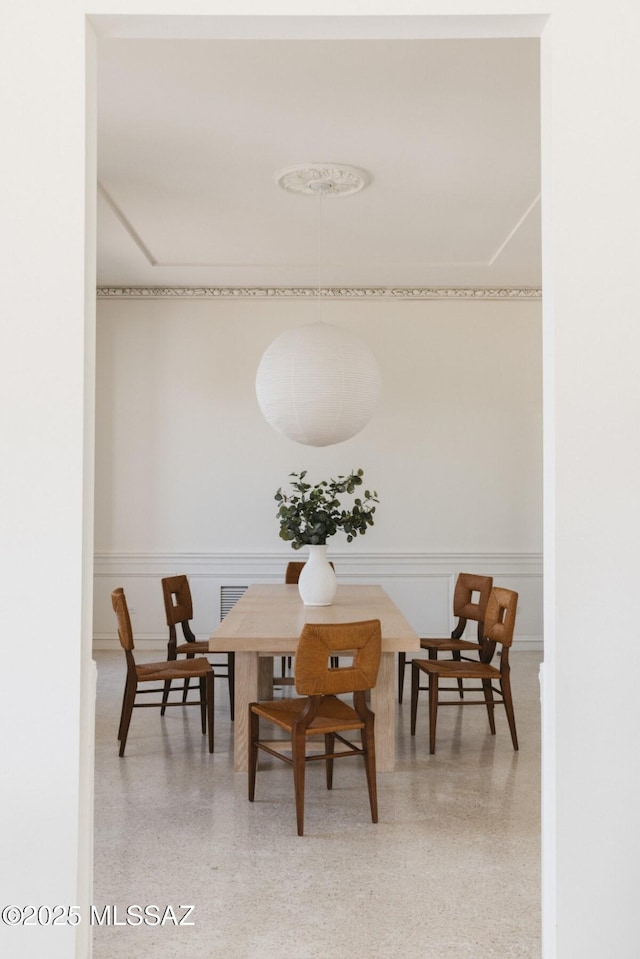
{"x": 267, "y": 621}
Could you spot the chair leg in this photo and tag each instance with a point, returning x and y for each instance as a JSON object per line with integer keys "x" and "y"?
{"x": 415, "y": 684}
{"x": 127, "y": 709}
{"x": 456, "y": 656}
{"x": 488, "y": 698}
{"x": 433, "y": 711}
{"x": 402, "y": 662}
{"x": 122, "y": 710}
{"x": 231, "y": 673}
{"x": 171, "y": 657}
{"x": 203, "y": 704}
{"x": 329, "y": 746}
{"x": 254, "y": 724}
{"x": 505, "y": 685}
{"x": 369, "y": 747}
{"x": 187, "y": 683}
{"x": 210, "y": 694}
{"x": 283, "y": 666}
{"x": 165, "y": 696}
{"x": 298, "y": 755}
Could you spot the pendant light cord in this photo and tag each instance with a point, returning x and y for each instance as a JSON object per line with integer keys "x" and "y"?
{"x": 319, "y": 252}
{"x": 320, "y": 187}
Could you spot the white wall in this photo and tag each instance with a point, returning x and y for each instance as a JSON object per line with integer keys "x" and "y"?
{"x": 593, "y": 475}
{"x": 186, "y": 464}
{"x": 591, "y": 74}
{"x": 186, "y": 461}
{"x": 45, "y": 391}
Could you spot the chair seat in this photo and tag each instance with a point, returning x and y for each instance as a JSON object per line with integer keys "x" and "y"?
{"x": 172, "y": 669}
{"x": 335, "y": 715}
{"x": 197, "y": 647}
{"x": 452, "y": 669}
{"x": 449, "y": 645}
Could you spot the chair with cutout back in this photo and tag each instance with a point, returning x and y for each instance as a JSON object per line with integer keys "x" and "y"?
{"x": 178, "y": 607}
{"x": 292, "y": 573}
{"x": 318, "y": 711}
{"x": 466, "y": 608}
{"x": 291, "y": 578}
{"x": 499, "y": 623}
{"x": 141, "y": 673}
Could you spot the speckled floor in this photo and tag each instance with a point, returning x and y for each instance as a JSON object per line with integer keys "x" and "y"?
{"x": 451, "y": 870}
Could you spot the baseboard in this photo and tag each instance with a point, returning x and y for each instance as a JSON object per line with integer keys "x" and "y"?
{"x": 529, "y": 644}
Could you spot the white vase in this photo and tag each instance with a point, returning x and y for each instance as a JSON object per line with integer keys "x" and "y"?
{"x": 317, "y": 584}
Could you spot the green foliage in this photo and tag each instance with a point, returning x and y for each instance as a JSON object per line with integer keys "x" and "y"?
{"x": 311, "y": 514}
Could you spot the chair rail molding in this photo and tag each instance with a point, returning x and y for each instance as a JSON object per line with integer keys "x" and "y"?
{"x": 421, "y": 585}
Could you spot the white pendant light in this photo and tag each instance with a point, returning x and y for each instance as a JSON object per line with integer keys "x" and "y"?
{"x": 318, "y": 384}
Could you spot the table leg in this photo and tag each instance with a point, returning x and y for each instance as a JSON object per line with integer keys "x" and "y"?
{"x": 384, "y": 707}
{"x": 265, "y": 677}
{"x": 246, "y": 692}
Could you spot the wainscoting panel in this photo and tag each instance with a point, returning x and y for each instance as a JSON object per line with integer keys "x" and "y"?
{"x": 421, "y": 585}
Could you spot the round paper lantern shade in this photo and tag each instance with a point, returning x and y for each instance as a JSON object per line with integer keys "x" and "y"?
{"x": 318, "y": 384}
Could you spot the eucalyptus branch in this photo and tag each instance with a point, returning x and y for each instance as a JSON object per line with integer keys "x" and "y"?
{"x": 312, "y": 513}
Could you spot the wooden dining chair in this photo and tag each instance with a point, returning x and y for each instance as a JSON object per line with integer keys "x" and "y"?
{"x": 292, "y": 573}
{"x": 318, "y": 711}
{"x": 178, "y": 607}
{"x": 466, "y": 608}
{"x": 499, "y": 623}
{"x": 291, "y": 578}
{"x": 141, "y": 673}
{"x": 293, "y": 570}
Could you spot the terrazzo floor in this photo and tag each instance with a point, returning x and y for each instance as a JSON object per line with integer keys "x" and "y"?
{"x": 450, "y": 871}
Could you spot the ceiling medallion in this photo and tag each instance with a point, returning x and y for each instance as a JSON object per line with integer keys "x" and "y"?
{"x": 330, "y": 179}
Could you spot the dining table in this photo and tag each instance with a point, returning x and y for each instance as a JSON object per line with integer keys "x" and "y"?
{"x": 267, "y": 621}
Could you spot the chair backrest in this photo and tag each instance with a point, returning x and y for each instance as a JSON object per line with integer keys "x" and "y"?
{"x": 500, "y": 617}
{"x": 292, "y": 573}
{"x": 293, "y": 570}
{"x": 464, "y": 606}
{"x": 466, "y": 585}
{"x": 319, "y": 641}
{"x": 120, "y": 608}
{"x": 178, "y": 605}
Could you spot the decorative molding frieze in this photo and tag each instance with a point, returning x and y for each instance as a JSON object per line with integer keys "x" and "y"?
{"x": 338, "y": 293}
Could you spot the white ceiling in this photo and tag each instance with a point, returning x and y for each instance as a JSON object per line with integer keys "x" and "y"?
{"x": 191, "y": 133}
